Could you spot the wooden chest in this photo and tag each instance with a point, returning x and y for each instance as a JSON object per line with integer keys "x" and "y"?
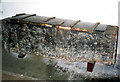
{"x": 60, "y": 38}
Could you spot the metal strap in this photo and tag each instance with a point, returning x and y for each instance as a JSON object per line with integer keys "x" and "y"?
{"x": 49, "y": 19}
{"x": 96, "y": 24}
{"x": 75, "y": 23}
{"x": 60, "y": 23}
{"x": 27, "y": 16}
{"x": 20, "y": 14}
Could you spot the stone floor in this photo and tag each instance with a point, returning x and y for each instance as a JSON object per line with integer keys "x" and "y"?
{"x": 37, "y": 67}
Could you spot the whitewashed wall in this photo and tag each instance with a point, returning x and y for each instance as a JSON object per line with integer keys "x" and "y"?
{"x": 104, "y": 11}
